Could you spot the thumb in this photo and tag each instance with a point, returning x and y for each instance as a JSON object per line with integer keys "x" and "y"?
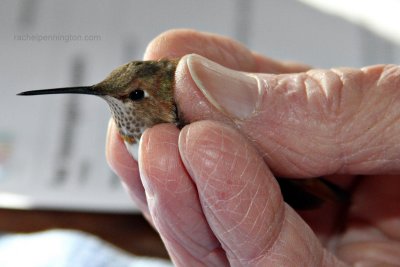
{"x": 305, "y": 124}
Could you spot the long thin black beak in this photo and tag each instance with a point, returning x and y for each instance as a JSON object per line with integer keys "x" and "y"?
{"x": 86, "y": 90}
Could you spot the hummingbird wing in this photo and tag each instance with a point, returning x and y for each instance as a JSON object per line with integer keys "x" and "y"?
{"x": 306, "y": 194}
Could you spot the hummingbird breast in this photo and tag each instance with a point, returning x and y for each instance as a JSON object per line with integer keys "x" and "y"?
{"x": 130, "y": 125}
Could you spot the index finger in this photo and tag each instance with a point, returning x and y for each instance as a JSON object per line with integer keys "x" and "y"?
{"x": 220, "y": 49}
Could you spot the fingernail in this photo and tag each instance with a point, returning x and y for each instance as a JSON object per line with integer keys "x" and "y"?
{"x": 235, "y": 93}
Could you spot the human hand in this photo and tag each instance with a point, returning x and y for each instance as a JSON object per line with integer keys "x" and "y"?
{"x": 210, "y": 189}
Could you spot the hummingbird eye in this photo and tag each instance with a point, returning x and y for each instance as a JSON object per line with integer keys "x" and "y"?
{"x": 137, "y": 95}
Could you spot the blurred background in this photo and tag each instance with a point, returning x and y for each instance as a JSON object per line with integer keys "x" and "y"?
{"x": 52, "y": 147}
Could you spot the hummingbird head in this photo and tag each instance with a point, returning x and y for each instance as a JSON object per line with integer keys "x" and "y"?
{"x": 139, "y": 93}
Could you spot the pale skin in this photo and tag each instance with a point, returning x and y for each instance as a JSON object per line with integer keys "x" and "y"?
{"x": 211, "y": 193}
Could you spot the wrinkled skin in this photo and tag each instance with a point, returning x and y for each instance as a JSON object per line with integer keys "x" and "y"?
{"x": 212, "y": 195}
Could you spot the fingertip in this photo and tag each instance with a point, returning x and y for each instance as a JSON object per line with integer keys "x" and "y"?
{"x": 116, "y": 153}
{"x": 221, "y": 49}
{"x": 193, "y": 104}
{"x": 173, "y": 201}
{"x": 197, "y": 141}
{"x": 234, "y": 93}
{"x": 113, "y": 145}
{"x": 159, "y": 155}
{"x": 124, "y": 166}
{"x": 173, "y": 43}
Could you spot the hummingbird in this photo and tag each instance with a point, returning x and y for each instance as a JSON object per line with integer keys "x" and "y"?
{"x": 140, "y": 94}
